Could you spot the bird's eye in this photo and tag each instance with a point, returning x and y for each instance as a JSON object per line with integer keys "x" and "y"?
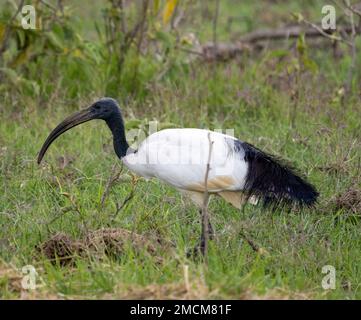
{"x": 96, "y": 107}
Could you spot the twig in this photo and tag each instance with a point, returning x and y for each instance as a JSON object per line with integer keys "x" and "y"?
{"x": 48, "y": 5}
{"x": 254, "y": 247}
{"x": 354, "y": 10}
{"x": 76, "y": 208}
{"x": 190, "y": 51}
{"x": 121, "y": 206}
{"x": 288, "y": 32}
{"x": 130, "y": 196}
{"x": 205, "y": 218}
{"x": 62, "y": 212}
{"x": 253, "y": 40}
{"x": 74, "y": 203}
{"x": 324, "y": 33}
{"x": 111, "y": 180}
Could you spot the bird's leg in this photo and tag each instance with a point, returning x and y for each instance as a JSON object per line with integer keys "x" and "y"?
{"x": 199, "y": 200}
{"x": 205, "y": 215}
{"x": 207, "y": 232}
{"x": 210, "y": 230}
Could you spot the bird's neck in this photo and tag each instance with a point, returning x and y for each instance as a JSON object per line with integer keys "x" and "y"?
{"x": 116, "y": 125}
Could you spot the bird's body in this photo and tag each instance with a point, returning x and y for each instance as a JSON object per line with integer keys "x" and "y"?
{"x": 187, "y": 158}
{"x": 179, "y": 157}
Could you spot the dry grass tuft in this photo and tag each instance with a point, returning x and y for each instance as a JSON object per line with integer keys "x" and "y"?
{"x": 112, "y": 240}
{"x": 60, "y": 247}
{"x": 349, "y": 200}
{"x": 106, "y": 241}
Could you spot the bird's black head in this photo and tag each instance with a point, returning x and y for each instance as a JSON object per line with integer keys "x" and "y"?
{"x": 104, "y": 109}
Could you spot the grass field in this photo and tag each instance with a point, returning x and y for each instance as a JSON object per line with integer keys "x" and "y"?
{"x": 299, "y": 115}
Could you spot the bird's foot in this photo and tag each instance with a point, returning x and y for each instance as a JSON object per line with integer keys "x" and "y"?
{"x": 211, "y": 233}
{"x": 197, "y": 252}
{"x": 200, "y": 249}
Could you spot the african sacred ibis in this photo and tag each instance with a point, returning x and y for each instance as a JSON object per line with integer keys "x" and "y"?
{"x": 238, "y": 171}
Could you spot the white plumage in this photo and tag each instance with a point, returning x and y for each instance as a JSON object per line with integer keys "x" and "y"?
{"x": 179, "y": 157}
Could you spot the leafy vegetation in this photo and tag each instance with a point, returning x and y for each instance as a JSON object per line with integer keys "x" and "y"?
{"x": 288, "y": 100}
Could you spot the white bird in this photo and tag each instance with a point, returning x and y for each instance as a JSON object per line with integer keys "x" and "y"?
{"x": 236, "y": 170}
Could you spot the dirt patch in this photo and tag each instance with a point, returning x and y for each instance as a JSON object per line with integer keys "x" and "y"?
{"x": 60, "y": 247}
{"x": 349, "y": 200}
{"x": 113, "y": 241}
{"x": 106, "y": 241}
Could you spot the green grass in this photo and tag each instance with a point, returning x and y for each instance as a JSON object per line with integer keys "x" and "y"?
{"x": 251, "y": 95}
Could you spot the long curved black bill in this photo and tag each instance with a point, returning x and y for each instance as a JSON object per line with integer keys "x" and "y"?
{"x": 70, "y": 122}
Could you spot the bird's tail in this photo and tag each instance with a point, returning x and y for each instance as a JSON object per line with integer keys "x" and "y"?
{"x": 274, "y": 182}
